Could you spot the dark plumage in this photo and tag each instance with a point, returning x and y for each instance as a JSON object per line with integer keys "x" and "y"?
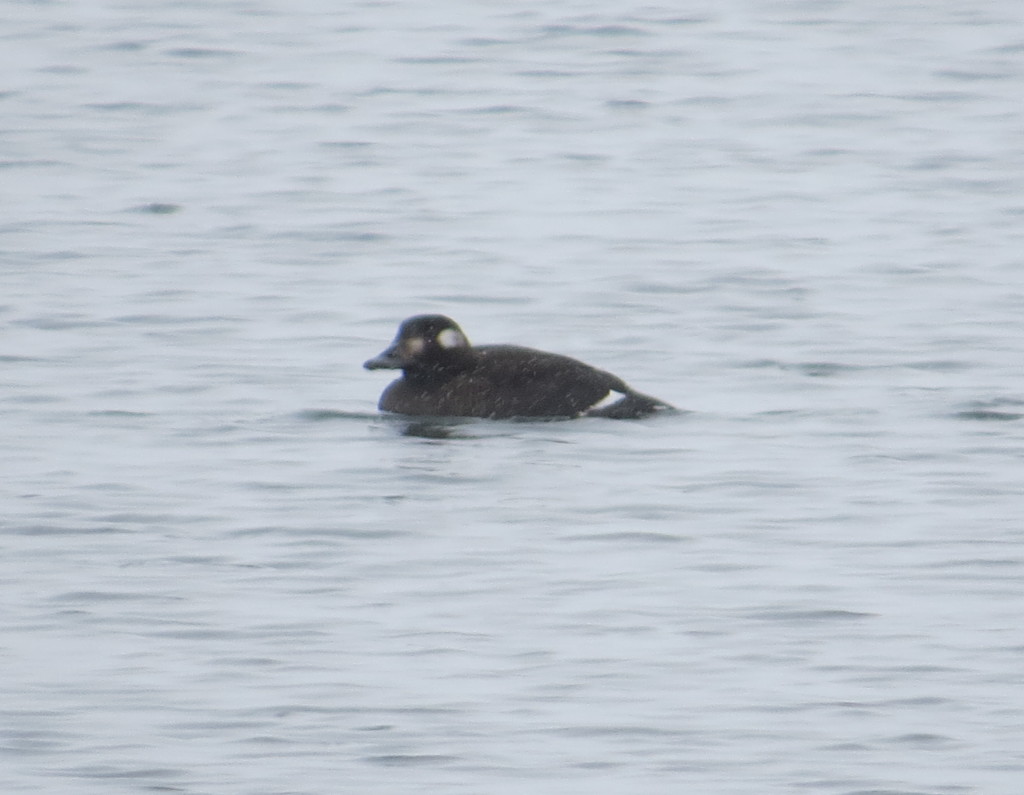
{"x": 444, "y": 376}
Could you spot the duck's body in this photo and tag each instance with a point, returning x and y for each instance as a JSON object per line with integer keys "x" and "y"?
{"x": 445, "y": 376}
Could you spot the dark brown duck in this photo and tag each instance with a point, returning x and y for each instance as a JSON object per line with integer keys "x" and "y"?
{"x": 444, "y": 376}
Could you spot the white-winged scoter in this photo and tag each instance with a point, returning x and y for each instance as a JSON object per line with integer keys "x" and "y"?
{"x": 444, "y": 376}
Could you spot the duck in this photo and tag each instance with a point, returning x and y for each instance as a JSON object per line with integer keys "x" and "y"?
{"x": 443, "y": 375}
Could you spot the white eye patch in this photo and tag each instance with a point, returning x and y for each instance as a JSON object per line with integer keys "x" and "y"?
{"x": 450, "y": 338}
{"x": 414, "y": 346}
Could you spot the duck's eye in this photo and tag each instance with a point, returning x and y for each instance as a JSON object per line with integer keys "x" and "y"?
{"x": 451, "y": 338}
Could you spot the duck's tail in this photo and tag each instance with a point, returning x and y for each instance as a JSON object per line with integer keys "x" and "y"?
{"x": 632, "y": 406}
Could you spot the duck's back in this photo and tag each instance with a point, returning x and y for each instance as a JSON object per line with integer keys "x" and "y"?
{"x": 504, "y": 381}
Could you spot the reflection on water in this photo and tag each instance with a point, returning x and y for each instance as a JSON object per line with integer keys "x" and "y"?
{"x": 434, "y": 429}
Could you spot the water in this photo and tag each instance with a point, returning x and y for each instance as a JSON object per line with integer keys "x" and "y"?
{"x": 225, "y": 573}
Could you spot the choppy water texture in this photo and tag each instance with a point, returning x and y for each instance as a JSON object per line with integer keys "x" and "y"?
{"x": 225, "y": 573}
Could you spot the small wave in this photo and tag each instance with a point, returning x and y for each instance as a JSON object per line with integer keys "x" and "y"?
{"x": 997, "y": 410}
{"x": 988, "y": 415}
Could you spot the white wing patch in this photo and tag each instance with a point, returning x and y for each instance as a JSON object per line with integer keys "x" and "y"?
{"x": 606, "y": 401}
{"x": 452, "y": 338}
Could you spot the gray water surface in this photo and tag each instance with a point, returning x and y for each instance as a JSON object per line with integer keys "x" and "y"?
{"x": 225, "y": 572}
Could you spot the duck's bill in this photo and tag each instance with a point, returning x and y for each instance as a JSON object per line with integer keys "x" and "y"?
{"x": 387, "y": 360}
